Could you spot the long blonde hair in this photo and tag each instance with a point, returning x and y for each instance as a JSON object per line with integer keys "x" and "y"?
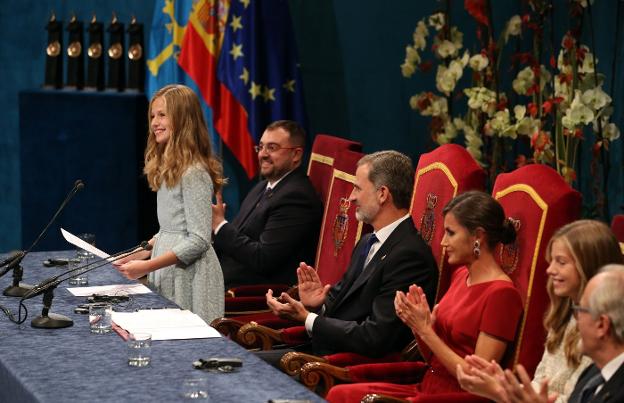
{"x": 189, "y": 142}
{"x": 592, "y": 245}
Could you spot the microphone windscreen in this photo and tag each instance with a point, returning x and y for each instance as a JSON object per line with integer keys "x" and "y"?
{"x": 146, "y": 246}
{"x": 79, "y": 184}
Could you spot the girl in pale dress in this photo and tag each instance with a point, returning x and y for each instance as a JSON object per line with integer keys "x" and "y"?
{"x": 181, "y": 168}
{"x": 575, "y": 252}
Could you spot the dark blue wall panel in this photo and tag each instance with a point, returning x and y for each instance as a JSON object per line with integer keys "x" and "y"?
{"x": 98, "y": 138}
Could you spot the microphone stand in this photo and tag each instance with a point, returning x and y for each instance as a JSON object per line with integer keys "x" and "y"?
{"x": 49, "y": 320}
{"x": 16, "y": 289}
{"x": 9, "y": 259}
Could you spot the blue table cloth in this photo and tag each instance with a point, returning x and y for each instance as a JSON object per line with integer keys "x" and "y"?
{"x": 73, "y": 365}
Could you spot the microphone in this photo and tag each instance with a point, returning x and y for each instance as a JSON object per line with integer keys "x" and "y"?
{"x": 66, "y": 275}
{"x": 15, "y": 290}
{"x": 8, "y": 260}
{"x": 49, "y": 320}
{"x": 15, "y": 260}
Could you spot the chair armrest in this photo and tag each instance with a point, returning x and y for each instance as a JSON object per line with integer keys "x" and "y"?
{"x": 375, "y": 398}
{"x": 292, "y": 362}
{"x": 252, "y": 334}
{"x": 319, "y": 377}
{"x": 227, "y": 327}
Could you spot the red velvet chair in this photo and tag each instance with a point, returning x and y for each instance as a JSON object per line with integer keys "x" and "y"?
{"x": 340, "y": 231}
{"x": 539, "y": 202}
{"x": 246, "y": 300}
{"x": 324, "y": 151}
{"x": 440, "y": 176}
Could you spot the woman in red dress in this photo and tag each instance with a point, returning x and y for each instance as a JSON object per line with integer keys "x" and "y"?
{"x": 478, "y": 314}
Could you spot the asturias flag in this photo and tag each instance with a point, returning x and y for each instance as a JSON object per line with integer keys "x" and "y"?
{"x": 166, "y": 34}
{"x": 242, "y": 56}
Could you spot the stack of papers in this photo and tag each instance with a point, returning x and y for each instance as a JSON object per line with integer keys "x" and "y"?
{"x": 113, "y": 289}
{"x": 164, "y": 324}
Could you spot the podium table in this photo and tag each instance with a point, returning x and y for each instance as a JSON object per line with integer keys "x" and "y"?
{"x": 73, "y": 365}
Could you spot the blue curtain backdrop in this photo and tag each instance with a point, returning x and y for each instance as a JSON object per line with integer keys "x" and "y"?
{"x": 350, "y": 54}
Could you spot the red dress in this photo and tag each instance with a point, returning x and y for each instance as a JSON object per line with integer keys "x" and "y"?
{"x": 493, "y": 307}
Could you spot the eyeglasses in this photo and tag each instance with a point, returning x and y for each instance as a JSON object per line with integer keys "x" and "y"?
{"x": 577, "y": 308}
{"x": 271, "y": 148}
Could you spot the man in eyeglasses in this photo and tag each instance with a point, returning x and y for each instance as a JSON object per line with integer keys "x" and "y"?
{"x": 600, "y": 321}
{"x": 279, "y": 221}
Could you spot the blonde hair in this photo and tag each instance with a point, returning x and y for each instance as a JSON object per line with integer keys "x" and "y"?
{"x": 592, "y": 245}
{"x": 189, "y": 142}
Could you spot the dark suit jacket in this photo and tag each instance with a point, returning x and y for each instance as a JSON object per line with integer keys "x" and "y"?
{"x": 611, "y": 392}
{"x": 359, "y": 313}
{"x": 271, "y": 234}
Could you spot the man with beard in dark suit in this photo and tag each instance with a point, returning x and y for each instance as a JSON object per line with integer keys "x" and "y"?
{"x": 357, "y": 314}
{"x": 279, "y": 221}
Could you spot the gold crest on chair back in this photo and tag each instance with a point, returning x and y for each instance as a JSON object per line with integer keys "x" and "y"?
{"x": 340, "y": 230}
{"x": 537, "y": 201}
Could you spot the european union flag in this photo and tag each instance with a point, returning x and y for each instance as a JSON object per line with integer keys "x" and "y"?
{"x": 258, "y": 63}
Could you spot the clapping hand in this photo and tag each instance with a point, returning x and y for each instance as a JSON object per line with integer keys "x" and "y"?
{"x": 520, "y": 390}
{"x": 312, "y": 292}
{"x": 413, "y": 309}
{"x": 480, "y": 377}
{"x": 290, "y": 309}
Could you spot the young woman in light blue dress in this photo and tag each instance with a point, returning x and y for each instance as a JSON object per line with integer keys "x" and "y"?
{"x": 181, "y": 168}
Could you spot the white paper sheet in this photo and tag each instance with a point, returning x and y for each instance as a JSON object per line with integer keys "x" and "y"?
{"x": 113, "y": 289}
{"x": 165, "y": 324}
{"x": 74, "y": 240}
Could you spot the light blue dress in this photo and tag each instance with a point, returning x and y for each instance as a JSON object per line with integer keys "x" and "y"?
{"x": 185, "y": 218}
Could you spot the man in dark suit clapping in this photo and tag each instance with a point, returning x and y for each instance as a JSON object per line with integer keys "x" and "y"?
{"x": 357, "y": 314}
{"x": 279, "y": 221}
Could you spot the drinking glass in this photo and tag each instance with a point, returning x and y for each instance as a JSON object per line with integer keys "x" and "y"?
{"x": 139, "y": 349}
{"x": 100, "y": 318}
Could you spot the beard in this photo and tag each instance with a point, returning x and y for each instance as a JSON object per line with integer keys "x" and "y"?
{"x": 272, "y": 172}
{"x": 366, "y": 214}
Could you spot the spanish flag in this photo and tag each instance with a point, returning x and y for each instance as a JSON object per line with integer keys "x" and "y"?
{"x": 243, "y": 58}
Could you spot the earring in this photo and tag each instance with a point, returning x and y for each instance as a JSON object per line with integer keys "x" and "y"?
{"x": 477, "y": 248}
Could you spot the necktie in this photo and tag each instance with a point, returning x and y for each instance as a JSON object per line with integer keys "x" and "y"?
{"x": 267, "y": 193}
{"x": 357, "y": 270}
{"x": 590, "y": 387}
{"x": 362, "y": 257}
